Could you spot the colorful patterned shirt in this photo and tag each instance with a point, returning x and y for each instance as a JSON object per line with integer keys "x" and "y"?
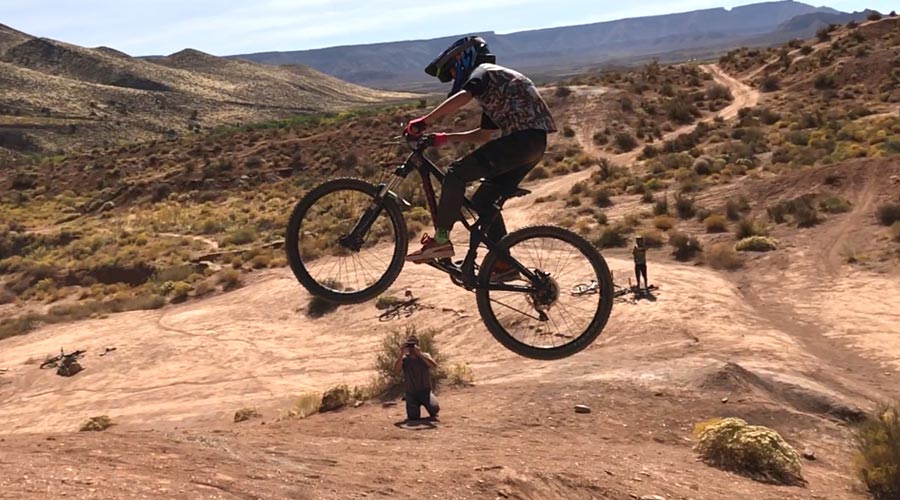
{"x": 509, "y": 100}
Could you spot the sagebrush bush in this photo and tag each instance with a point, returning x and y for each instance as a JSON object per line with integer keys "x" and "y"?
{"x": 601, "y": 198}
{"x": 229, "y": 279}
{"x": 757, "y": 244}
{"x": 652, "y": 238}
{"x": 685, "y": 246}
{"x": 538, "y": 172}
{"x": 754, "y": 451}
{"x": 888, "y": 214}
{"x": 748, "y": 226}
{"x": 684, "y": 206}
{"x": 662, "y": 206}
{"x": 663, "y": 222}
{"x": 625, "y": 142}
{"x": 716, "y": 223}
{"x": 611, "y": 237}
{"x": 97, "y": 424}
{"x": 770, "y": 83}
{"x": 735, "y": 207}
{"x": 877, "y": 459}
{"x": 723, "y": 256}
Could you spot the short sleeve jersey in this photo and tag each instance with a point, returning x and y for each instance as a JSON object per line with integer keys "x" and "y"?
{"x": 509, "y": 100}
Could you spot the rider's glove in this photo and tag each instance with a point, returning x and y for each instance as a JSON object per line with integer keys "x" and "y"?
{"x": 440, "y": 139}
{"x": 415, "y": 127}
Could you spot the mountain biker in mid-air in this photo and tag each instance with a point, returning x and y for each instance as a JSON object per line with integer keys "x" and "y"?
{"x": 515, "y": 122}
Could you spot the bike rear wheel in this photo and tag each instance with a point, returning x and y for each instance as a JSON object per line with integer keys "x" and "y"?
{"x": 321, "y": 259}
{"x": 570, "y": 323}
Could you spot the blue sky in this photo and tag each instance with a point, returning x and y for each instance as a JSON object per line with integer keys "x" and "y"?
{"x": 143, "y": 27}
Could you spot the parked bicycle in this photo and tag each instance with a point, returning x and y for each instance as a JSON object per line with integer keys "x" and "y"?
{"x": 347, "y": 238}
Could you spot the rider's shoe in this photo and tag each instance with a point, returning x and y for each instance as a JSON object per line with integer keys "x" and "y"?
{"x": 431, "y": 250}
{"x": 503, "y": 273}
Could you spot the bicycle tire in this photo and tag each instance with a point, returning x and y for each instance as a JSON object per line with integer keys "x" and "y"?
{"x": 597, "y": 323}
{"x": 299, "y": 268}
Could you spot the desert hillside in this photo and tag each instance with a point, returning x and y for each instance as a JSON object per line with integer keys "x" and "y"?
{"x": 767, "y": 184}
{"x": 58, "y": 97}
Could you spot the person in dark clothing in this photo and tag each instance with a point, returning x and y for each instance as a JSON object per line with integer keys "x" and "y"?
{"x": 416, "y": 367}
{"x": 515, "y": 122}
{"x": 640, "y": 261}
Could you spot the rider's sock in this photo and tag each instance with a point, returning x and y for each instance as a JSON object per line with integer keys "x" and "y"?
{"x": 441, "y": 236}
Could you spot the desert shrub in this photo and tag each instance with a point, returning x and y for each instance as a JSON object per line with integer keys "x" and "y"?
{"x": 806, "y": 215}
{"x": 663, "y": 222}
{"x": 824, "y": 81}
{"x": 625, "y": 142}
{"x": 770, "y": 83}
{"x": 652, "y": 238}
{"x": 681, "y": 110}
{"x": 600, "y": 139}
{"x": 601, "y": 198}
{"x": 387, "y": 301}
{"x": 305, "y": 405}
{"x": 388, "y": 382}
{"x": 749, "y": 226}
{"x": 723, "y": 256}
{"x": 460, "y": 375}
{"x": 735, "y": 207}
{"x": 806, "y": 50}
{"x": 647, "y": 197}
{"x": 719, "y": 92}
{"x": 824, "y": 33}
{"x": 229, "y": 279}
{"x": 335, "y": 398}
{"x": 611, "y": 237}
{"x": 240, "y": 236}
{"x": 895, "y": 231}
{"x": 756, "y": 244}
{"x": 97, "y": 424}
{"x": 662, "y": 206}
{"x": 568, "y": 131}
{"x": 538, "y": 172}
{"x": 888, "y": 213}
{"x": 601, "y": 218}
{"x": 716, "y": 223}
{"x": 562, "y": 91}
{"x": 685, "y": 246}
{"x": 874, "y": 16}
{"x": 757, "y": 452}
{"x": 318, "y": 306}
{"x": 180, "y": 291}
{"x": 877, "y": 460}
{"x": 684, "y": 205}
{"x": 203, "y": 288}
{"x": 245, "y": 414}
{"x": 834, "y": 204}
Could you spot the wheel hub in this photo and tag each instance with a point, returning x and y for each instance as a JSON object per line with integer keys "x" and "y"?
{"x": 546, "y": 294}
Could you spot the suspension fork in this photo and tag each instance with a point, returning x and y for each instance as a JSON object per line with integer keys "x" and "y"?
{"x": 355, "y": 240}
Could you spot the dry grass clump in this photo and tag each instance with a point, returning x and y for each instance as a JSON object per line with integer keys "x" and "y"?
{"x": 306, "y": 404}
{"x": 335, "y": 398}
{"x": 460, "y": 375}
{"x": 652, "y": 238}
{"x": 748, "y": 227}
{"x": 664, "y": 222}
{"x": 245, "y": 414}
{"x": 723, "y": 256}
{"x": 612, "y": 236}
{"x": 877, "y": 460}
{"x": 97, "y": 424}
{"x": 716, "y": 223}
{"x": 754, "y": 451}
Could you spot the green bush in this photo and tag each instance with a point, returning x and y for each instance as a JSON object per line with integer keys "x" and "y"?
{"x": 888, "y": 213}
{"x": 611, "y": 237}
{"x": 756, "y": 244}
{"x": 685, "y": 246}
{"x": 877, "y": 459}
{"x": 757, "y": 452}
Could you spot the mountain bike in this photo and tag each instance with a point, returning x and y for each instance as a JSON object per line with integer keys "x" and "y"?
{"x": 347, "y": 240}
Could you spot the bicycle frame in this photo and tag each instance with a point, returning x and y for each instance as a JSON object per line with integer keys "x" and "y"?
{"x": 463, "y": 275}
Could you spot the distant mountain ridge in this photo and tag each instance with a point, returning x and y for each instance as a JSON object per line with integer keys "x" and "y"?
{"x": 397, "y": 64}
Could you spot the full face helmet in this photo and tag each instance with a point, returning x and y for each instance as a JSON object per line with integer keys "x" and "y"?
{"x": 463, "y": 56}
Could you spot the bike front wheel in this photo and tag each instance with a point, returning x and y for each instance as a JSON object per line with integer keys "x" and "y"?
{"x": 546, "y": 322}
{"x": 317, "y": 242}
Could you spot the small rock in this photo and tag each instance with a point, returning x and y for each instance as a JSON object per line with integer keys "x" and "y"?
{"x": 809, "y": 455}
{"x": 724, "y": 400}
{"x": 652, "y": 497}
{"x": 582, "y": 409}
